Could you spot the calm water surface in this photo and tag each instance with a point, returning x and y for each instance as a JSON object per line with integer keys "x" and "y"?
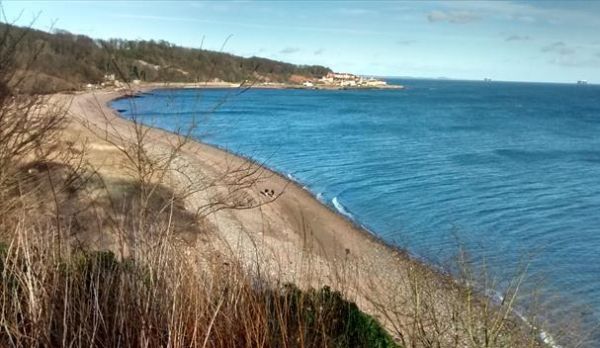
{"x": 511, "y": 170}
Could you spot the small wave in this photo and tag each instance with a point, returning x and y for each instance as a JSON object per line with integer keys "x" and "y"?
{"x": 291, "y": 177}
{"x": 546, "y": 338}
{"x": 364, "y": 227}
{"x": 497, "y": 298}
{"x": 320, "y": 196}
{"x": 340, "y": 208}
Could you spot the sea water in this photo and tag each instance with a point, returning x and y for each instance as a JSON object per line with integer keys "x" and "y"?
{"x": 510, "y": 171}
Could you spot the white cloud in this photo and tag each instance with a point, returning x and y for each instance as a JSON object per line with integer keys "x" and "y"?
{"x": 356, "y": 11}
{"x": 523, "y": 18}
{"x": 518, "y": 38}
{"x": 575, "y": 62}
{"x": 525, "y": 12}
{"x": 257, "y": 25}
{"x": 559, "y": 48}
{"x": 289, "y": 50}
{"x": 157, "y": 18}
{"x": 458, "y": 17}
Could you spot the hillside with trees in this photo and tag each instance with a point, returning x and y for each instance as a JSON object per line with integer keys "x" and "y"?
{"x": 64, "y": 61}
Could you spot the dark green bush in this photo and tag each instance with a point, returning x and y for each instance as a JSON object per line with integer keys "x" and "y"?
{"x": 323, "y": 316}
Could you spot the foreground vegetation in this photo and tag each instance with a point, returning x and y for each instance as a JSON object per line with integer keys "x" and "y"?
{"x": 92, "y": 299}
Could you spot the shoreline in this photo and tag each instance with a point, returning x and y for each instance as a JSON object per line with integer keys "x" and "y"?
{"x": 372, "y": 235}
{"x": 366, "y": 232}
{"x": 282, "y": 176}
{"x": 336, "y": 237}
{"x": 322, "y": 210}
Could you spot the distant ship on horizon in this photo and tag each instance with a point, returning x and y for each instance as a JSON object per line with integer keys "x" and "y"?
{"x": 487, "y": 79}
{"x": 582, "y": 82}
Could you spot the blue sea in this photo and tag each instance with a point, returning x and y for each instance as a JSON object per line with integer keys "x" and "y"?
{"x": 510, "y": 171}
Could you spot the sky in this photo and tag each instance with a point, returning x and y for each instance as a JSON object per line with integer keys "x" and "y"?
{"x": 544, "y": 41}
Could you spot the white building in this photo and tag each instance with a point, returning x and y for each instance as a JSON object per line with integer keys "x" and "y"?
{"x": 374, "y": 83}
{"x": 342, "y": 76}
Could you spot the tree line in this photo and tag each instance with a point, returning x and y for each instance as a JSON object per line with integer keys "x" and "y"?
{"x": 66, "y": 61}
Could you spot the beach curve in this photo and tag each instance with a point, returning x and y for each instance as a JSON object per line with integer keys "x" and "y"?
{"x": 295, "y": 238}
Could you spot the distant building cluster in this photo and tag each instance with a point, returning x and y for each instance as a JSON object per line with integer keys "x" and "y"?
{"x": 346, "y": 80}
{"x": 110, "y": 80}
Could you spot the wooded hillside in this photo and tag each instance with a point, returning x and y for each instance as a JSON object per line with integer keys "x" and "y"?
{"x": 68, "y": 61}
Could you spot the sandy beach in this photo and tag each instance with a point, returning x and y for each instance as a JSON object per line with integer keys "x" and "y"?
{"x": 270, "y": 225}
{"x": 291, "y": 235}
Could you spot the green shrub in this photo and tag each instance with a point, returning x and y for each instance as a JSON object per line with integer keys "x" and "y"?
{"x": 324, "y": 315}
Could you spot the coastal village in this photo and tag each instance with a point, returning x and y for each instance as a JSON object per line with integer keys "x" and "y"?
{"x": 333, "y": 80}
{"x": 347, "y": 80}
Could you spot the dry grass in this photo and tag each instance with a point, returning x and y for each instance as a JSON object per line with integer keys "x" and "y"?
{"x": 162, "y": 291}
{"x": 163, "y": 299}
